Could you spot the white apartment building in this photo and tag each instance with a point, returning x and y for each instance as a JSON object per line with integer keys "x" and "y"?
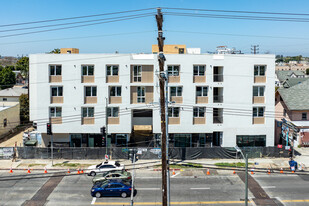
{"x": 215, "y": 99}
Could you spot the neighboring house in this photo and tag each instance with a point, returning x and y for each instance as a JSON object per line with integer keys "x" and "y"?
{"x": 219, "y": 99}
{"x": 292, "y": 104}
{"x": 19, "y": 78}
{"x": 290, "y": 78}
{"x": 9, "y": 116}
{"x": 12, "y": 94}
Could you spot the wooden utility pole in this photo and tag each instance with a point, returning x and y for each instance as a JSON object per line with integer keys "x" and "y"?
{"x": 161, "y": 58}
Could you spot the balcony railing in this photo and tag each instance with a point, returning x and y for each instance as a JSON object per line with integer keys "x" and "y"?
{"x": 218, "y": 98}
{"x": 218, "y": 119}
{"x": 218, "y": 77}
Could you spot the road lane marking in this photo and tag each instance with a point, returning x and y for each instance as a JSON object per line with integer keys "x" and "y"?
{"x": 295, "y": 200}
{"x": 93, "y": 200}
{"x": 269, "y": 187}
{"x": 175, "y": 175}
{"x": 205, "y": 188}
{"x": 148, "y": 188}
{"x": 173, "y": 203}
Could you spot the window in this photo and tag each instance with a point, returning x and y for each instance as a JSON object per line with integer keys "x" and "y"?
{"x": 91, "y": 91}
{"x": 88, "y": 111}
{"x": 284, "y": 112}
{"x": 258, "y": 111}
{"x": 54, "y": 70}
{"x": 201, "y": 91}
{"x": 4, "y": 99}
{"x": 199, "y": 70}
{"x": 251, "y": 140}
{"x": 259, "y": 70}
{"x": 258, "y": 91}
{"x": 304, "y": 116}
{"x": 57, "y": 91}
{"x": 181, "y": 50}
{"x": 176, "y": 91}
{"x": 141, "y": 98}
{"x": 173, "y": 70}
{"x": 173, "y": 112}
{"x": 137, "y": 73}
{"x": 198, "y": 111}
{"x": 113, "y": 111}
{"x": 55, "y": 112}
{"x": 88, "y": 70}
{"x": 112, "y": 70}
{"x": 5, "y": 122}
{"x": 115, "y": 92}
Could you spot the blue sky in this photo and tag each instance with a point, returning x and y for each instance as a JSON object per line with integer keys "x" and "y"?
{"x": 134, "y": 36}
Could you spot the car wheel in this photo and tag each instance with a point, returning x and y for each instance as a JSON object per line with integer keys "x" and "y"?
{"x": 124, "y": 195}
{"x": 92, "y": 173}
{"x": 97, "y": 194}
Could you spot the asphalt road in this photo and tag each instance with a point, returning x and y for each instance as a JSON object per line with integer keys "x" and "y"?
{"x": 185, "y": 190}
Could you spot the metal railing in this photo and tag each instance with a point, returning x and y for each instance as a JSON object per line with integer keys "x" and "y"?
{"x": 218, "y": 119}
{"x": 218, "y": 98}
{"x": 218, "y": 77}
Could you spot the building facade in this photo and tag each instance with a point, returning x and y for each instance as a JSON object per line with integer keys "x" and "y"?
{"x": 215, "y": 99}
{"x": 9, "y": 116}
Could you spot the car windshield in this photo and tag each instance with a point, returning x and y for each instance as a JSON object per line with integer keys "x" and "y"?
{"x": 126, "y": 183}
{"x": 99, "y": 165}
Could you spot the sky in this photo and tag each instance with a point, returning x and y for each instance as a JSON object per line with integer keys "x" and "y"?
{"x": 137, "y": 35}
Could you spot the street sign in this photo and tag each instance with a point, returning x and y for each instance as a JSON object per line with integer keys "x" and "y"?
{"x": 287, "y": 148}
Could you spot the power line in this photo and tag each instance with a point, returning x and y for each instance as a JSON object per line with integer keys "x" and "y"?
{"x": 70, "y": 23}
{"x": 83, "y": 25}
{"x": 231, "y": 11}
{"x": 300, "y": 20}
{"x": 77, "y": 17}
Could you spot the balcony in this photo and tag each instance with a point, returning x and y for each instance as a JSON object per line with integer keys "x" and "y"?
{"x": 56, "y": 120}
{"x": 113, "y": 120}
{"x": 201, "y": 100}
{"x": 56, "y": 100}
{"x": 87, "y": 79}
{"x": 174, "y": 120}
{"x": 55, "y": 78}
{"x": 88, "y": 120}
{"x": 199, "y": 120}
{"x": 173, "y": 79}
{"x": 177, "y": 100}
{"x": 90, "y": 100}
{"x": 115, "y": 100}
{"x": 259, "y": 79}
{"x": 258, "y": 100}
{"x": 199, "y": 79}
{"x": 258, "y": 120}
{"x": 112, "y": 79}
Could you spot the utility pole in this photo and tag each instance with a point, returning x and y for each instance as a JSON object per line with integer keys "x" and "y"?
{"x": 133, "y": 177}
{"x": 167, "y": 140}
{"x": 246, "y": 193}
{"x": 254, "y": 49}
{"x": 106, "y": 123}
{"x": 161, "y": 59}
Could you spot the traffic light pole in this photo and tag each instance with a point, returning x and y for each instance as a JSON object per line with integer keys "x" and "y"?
{"x": 106, "y": 120}
{"x": 132, "y": 190}
{"x": 52, "y": 149}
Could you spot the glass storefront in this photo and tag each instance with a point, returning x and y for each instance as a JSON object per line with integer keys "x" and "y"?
{"x": 251, "y": 140}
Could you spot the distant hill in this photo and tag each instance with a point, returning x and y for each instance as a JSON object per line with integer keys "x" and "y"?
{"x": 7, "y": 61}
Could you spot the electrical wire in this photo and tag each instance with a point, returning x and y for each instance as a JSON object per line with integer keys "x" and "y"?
{"x": 76, "y": 17}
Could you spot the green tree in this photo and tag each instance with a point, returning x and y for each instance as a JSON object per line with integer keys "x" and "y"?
{"x": 11, "y": 67}
{"x": 7, "y": 78}
{"x": 23, "y": 65}
{"x": 1, "y": 67}
{"x": 55, "y": 51}
{"x": 24, "y": 108}
{"x": 307, "y": 71}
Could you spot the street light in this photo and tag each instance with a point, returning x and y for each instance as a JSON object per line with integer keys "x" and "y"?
{"x": 246, "y": 182}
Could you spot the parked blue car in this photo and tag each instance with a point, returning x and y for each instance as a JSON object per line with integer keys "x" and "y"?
{"x": 112, "y": 188}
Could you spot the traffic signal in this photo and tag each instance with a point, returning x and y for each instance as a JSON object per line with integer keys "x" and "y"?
{"x": 103, "y": 131}
{"x": 49, "y": 128}
{"x": 132, "y": 155}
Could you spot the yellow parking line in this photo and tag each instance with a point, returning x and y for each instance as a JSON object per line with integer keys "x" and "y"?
{"x": 172, "y": 203}
{"x": 294, "y": 200}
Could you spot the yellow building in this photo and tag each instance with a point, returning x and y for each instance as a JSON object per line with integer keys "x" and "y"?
{"x": 9, "y": 116}
{"x": 170, "y": 49}
{"x": 69, "y": 51}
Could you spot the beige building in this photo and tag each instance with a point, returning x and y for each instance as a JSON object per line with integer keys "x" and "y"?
{"x": 69, "y": 51}
{"x": 170, "y": 49}
{"x": 9, "y": 116}
{"x": 12, "y": 94}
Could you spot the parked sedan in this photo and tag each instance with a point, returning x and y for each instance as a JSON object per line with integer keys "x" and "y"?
{"x": 104, "y": 167}
{"x": 111, "y": 188}
{"x": 122, "y": 175}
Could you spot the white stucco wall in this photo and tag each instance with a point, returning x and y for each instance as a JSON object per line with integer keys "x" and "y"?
{"x": 238, "y": 82}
